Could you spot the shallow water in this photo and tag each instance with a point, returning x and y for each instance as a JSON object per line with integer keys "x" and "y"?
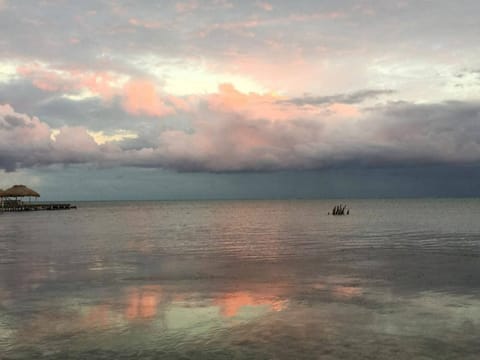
{"x": 242, "y": 279}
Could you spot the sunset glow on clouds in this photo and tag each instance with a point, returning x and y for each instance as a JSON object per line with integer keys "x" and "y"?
{"x": 220, "y": 86}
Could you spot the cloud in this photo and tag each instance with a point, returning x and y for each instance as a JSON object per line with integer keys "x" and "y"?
{"x": 101, "y": 137}
{"x": 253, "y": 105}
{"x": 141, "y": 98}
{"x": 231, "y": 131}
{"x": 475, "y": 73}
{"x": 71, "y": 81}
{"x": 446, "y": 132}
{"x": 57, "y": 110}
{"x": 23, "y": 139}
{"x": 395, "y": 134}
{"x": 352, "y": 98}
{"x": 28, "y": 142}
{"x": 75, "y": 140}
{"x": 137, "y": 96}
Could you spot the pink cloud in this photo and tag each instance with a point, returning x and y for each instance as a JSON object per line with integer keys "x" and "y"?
{"x": 241, "y": 131}
{"x": 291, "y": 69}
{"x": 70, "y": 81}
{"x": 253, "y": 105}
{"x": 138, "y": 96}
{"x": 235, "y": 131}
{"x": 42, "y": 78}
{"x": 99, "y": 83}
{"x": 142, "y": 98}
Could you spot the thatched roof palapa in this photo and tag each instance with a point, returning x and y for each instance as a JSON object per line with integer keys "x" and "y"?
{"x": 20, "y": 191}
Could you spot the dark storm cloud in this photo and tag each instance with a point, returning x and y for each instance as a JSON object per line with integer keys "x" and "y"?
{"x": 400, "y": 134}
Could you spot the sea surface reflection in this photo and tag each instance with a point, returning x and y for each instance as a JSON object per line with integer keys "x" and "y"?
{"x": 246, "y": 279}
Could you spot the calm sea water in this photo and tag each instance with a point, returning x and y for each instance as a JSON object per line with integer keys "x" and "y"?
{"x": 396, "y": 279}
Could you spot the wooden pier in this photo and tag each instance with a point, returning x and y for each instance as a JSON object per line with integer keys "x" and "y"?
{"x": 19, "y": 206}
{"x": 10, "y": 202}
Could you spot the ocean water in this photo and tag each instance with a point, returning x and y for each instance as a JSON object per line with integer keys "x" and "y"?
{"x": 396, "y": 279}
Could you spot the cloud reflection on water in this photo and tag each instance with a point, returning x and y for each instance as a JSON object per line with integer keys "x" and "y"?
{"x": 232, "y": 303}
{"x": 143, "y": 302}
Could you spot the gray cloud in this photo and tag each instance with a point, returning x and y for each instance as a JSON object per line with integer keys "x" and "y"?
{"x": 352, "y": 98}
{"x": 396, "y": 134}
{"x": 27, "y": 142}
{"x": 98, "y": 35}
{"x": 57, "y": 111}
{"x": 400, "y": 134}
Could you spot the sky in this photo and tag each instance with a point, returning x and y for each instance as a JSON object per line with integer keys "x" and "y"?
{"x": 202, "y": 99}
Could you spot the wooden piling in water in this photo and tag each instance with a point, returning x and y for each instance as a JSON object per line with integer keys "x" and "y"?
{"x": 340, "y": 210}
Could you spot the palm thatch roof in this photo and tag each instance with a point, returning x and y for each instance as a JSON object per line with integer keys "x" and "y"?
{"x": 2, "y": 193}
{"x": 20, "y": 191}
